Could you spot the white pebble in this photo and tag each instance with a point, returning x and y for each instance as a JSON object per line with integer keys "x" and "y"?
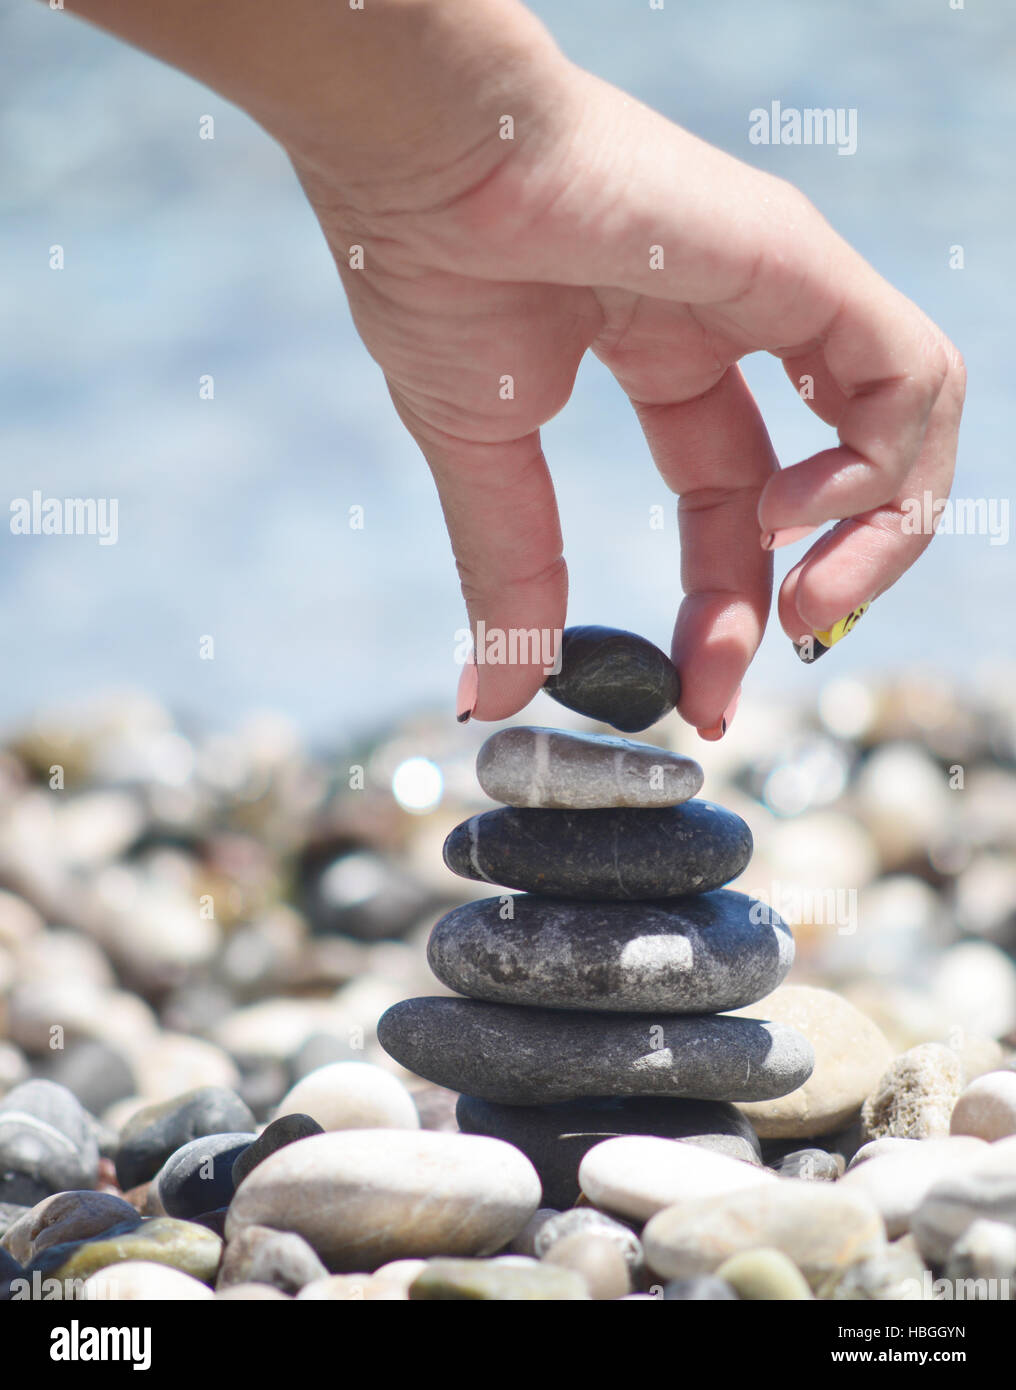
{"x": 987, "y": 1108}
{"x": 351, "y": 1095}
{"x": 638, "y": 1176}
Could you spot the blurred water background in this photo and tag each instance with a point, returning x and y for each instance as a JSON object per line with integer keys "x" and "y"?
{"x": 186, "y": 257}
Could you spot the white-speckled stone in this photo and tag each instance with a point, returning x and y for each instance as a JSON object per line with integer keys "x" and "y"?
{"x": 363, "y": 1198}
{"x": 143, "y": 1280}
{"x": 914, "y": 1097}
{"x": 351, "y": 1095}
{"x": 526, "y": 766}
{"x": 637, "y": 1176}
{"x": 987, "y": 1108}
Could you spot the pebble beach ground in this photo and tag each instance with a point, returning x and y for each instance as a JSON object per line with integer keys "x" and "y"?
{"x": 199, "y": 934}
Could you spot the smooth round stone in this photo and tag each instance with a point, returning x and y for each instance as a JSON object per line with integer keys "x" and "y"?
{"x": 897, "y": 1182}
{"x": 615, "y": 677}
{"x": 555, "y": 1138}
{"x": 598, "y": 1262}
{"x": 984, "y": 1191}
{"x": 183, "y": 1245}
{"x": 399, "y": 1274}
{"x": 812, "y": 1165}
{"x": 555, "y": 770}
{"x": 638, "y": 1176}
{"x": 915, "y": 1096}
{"x": 764, "y": 1274}
{"x": 288, "y": 1129}
{"x": 152, "y": 1134}
{"x": 851, "y": 1053}
{"x": 493, "y": 1280}
{"x": 584, "y": 1221}
{"x": 987, "y": 1108}
{"x": 352, "y": 1288}
{"x": 63, "y": 1218}
{"x": 524, "y": 1243}
{"x": 252, "y": 1293}
{"x": 537, "y": 1056}
{"x": 704, "y": 1289}
{"x": 362, "y": 1198}
{"x": 895, "y": 1274}
{"x": 986, "y": 1250}
{"x": 615, "y": 855}
{"x": 47, "y": 1143}
{"x": 144, "y": 1281}
{"x": 352, "y": 1095}
{"x": 259, "y": 1255}
{"x": 815, "y": 1224}
{"x": 199, "y": 1176}
{"x": 698, "y": 955}
{"x": 98, "y": 1074}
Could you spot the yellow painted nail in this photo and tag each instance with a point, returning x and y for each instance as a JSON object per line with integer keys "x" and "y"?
{"x": 816, "y": 644}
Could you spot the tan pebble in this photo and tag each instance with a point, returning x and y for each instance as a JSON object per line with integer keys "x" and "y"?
{"x": 598, "y": 1259}
{"x": 987, "y": 1108}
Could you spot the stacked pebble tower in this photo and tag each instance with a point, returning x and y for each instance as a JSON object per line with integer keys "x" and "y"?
{"x": 594, "y": 1000}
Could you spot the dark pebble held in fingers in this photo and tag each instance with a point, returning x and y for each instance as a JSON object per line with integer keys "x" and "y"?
{"x": 613, "y": 854}
{"x": 693, "y": 955}
{"x": 522, "y": 1056}
{"x": 614, "y": 676}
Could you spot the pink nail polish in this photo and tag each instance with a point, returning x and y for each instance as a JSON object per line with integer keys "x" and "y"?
{"x": 469, "y": 689}
{"x": 787, "y": 536}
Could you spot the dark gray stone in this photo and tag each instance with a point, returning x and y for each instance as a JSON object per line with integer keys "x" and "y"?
{"x": 199, "y": 1176}
{"x": 536, "y": 1056}
{"x": 608, "y": 854}
{"x": 47, "y": 1143}
{"x": 93, "y": 1071}
{"x": 152, "y": 1134}
{"x": 585, "y": 1221}
{"x": 702, "y": 1288}
{"x": 260, "y": 1255}
{"x": 614, "y": 676}
{"x": 555, "y": 1138}
{"x": 697, "y": 955}
{"x": 285, "y": 1130}
{"x": 551, "y": 768}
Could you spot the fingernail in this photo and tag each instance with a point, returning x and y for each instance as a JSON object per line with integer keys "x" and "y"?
{"x": 469, "y": 688}
{"x": 714, "y": 734}
{"x": 773, "y": 540}
{"x": 816, "y": 644}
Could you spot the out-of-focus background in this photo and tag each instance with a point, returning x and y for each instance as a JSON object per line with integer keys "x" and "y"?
{"x": 880, "y": 784}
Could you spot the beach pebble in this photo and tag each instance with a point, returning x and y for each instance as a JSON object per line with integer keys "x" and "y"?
{"x": 555, "y": 1138}
{"x": 582, "y": 1221}
{"x": 987, "y": 1108}
{"x": 984, "y": 1190}
{"x": 364, "y": 1197}
{"x": 399, "y": 1274}
{"x": 288, "y": 1129}
{"x": 435, "y": 1106}
{"x": 260, "y": 1255}
{"x": 94, "y": 1071}
{"x": 496, "y": 1280}
{"x": 47, "y": 1143}
{"x": 697, "y": 955}
{"x": 199, "y": 1176}
{"x": 896, "y": 1182}
{"x": 615, "y": 677}
{"x": 352, "y": 1095}
{"x": 66, "y": 1217}
{"x": 155, "y": 1132}
{"x": 811, "y": 1165}
{"x": 144, "y": 1281}
{"x": 183, "y": 1245}
{"x": 603, "y": 855}
{"x": 764, "y": 1274}
{"x": 10, "y": 1214}
{"x": 979, "y": 1054}
{"x": 638, "y": 1176}
{"x": 252, "y": 1293}
{"x": 537, "y": 1056}
{"x": 895, "y": 1274}
{"x": 597, "y": 1260}
{"x": 173, "y": 1063}
{"x": 555, "y": 770}
{"x": 986, "y": 1250}
{"x": 817, "y": 1225}
{"x": 704, "y": 1288}
{"x": 851, "y": 1053}
{"x": 524, "y": 1243}
{"x": 914, "y": 1097}
{"x": 351, "y": 1288}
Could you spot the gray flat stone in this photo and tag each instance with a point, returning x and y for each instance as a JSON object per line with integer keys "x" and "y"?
{"x": 556, "y": 1138}
{"x": 552, "y": 769}
{"x": 607, "y": 854}
{"x": 614, "y": 676}
{"x": 524, "y": 1056}
{"x": 696, "y": 955}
